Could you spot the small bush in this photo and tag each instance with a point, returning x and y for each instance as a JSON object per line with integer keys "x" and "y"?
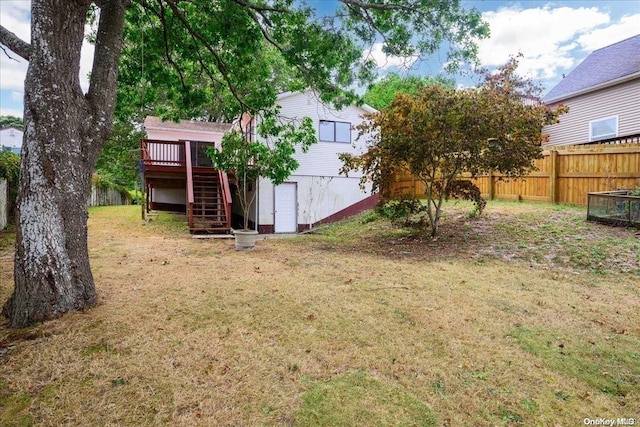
{"x": 10, "y": 170}
{"x": 370, "y": 216}
{"x": 400, "y": 209}
{"x": 408, "y": 212}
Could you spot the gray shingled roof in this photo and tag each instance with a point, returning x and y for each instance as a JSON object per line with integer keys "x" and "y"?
{"x": 603, "y": 65}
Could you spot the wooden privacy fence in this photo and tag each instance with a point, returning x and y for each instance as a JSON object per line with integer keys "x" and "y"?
{"x": 4, "y": 205}
{"x": 107, "y": 197}
{"x": 564, "y": 175}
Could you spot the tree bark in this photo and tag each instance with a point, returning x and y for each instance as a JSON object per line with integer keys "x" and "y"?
{"x": 64, "y": 133}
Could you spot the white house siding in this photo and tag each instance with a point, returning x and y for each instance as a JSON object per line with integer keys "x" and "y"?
{"x": 322, "y": 158}
{"x": 11, "y": 139}
{"x": 622, "y": 100}
{"x": 318, "y": 197}
{"x": 177, "y": 196}
{"x": 322, "y": 191}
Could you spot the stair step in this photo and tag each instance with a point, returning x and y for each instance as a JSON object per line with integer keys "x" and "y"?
{"x": 208, "y": 210}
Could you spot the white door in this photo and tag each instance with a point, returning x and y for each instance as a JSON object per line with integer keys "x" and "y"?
{"x": 286, "y": 208}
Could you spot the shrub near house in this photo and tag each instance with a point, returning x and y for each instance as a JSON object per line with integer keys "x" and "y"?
{"x": 9, "y": 175}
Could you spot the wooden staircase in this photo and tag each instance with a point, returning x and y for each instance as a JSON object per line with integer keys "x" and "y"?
{"x": 209, "y": 199}
{"x": 208, "y": 213}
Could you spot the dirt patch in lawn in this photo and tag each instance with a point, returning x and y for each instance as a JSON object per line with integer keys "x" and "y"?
{"x": 549, "y": 237}
{"x": 492, "y": 324}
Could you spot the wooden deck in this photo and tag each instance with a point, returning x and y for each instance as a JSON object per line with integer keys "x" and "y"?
{"x": 171, "y": 165}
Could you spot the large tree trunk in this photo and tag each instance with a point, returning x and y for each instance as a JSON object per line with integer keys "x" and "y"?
{"x": 64, "y": 133}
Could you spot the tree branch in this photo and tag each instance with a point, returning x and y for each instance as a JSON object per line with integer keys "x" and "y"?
{"x": 380, "y": 6}
{"x": 15, "y": 43}
{"x": 258, "y": 8}
{"x": 220, "y": 65}
{"x": 167, "y": 52}
{"x": 101, "y": 95}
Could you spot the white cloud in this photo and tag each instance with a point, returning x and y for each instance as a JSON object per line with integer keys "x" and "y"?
{"x": 545, "y": 36}
{"x": 384, "y": 61}
{"x": 10, "y": 112}
{"x": 13, "y": 72}
{"x": 15, "y": 15}
{"x": 86, "y": 63}
{"x": 628, "y": 26}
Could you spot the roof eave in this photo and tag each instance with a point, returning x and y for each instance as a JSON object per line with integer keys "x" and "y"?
{"x": 604, "y": 85}
{"x": 151, "y": 127}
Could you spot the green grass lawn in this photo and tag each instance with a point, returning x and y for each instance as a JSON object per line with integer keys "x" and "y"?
{"x": 526, "y": 315}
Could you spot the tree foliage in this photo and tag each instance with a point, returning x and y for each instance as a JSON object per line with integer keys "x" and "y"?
{"x": 215, "y": 60}
{"x": 10, "y": 171}
{"x": 120, "y": 158}
{"x": 441, "y": 132}
{"x": 381, "y": 94}
{"x": 10, "y": 121}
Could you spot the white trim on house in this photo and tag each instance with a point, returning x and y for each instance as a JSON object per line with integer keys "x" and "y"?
{"x": 594, "y": 88}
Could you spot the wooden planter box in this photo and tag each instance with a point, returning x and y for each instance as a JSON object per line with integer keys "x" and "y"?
{"x": 619, "y": 207}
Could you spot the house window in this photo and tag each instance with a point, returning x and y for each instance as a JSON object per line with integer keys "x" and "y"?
{"x": 335, "y": 131}
{"x": 603, "y": 128}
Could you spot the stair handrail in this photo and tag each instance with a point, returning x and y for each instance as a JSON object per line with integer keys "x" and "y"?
{"x": 190, "y": 198}
{"x": 226, "y": 195}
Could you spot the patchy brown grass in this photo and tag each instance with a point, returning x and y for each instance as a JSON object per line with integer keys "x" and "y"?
{"x": 526, "y": 315}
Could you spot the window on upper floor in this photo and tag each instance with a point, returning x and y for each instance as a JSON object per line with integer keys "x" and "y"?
{"x": 331, "y": 131}
{"x": 603, "y": 128}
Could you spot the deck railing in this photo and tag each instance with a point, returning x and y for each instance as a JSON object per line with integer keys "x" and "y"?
{"x": 627, "y": 139}
{"x": 162, "y": 153}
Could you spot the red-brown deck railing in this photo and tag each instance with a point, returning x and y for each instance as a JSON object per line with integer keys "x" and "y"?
{"x": 162, "y": 153}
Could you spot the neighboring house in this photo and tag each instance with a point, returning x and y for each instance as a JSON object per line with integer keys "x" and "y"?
{"x": 11, "y": 139}
{"x": 315, "y": 193}
{"x": 603, "y": 96}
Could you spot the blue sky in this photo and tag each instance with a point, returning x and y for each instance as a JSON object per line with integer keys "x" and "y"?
{"x": 553, "y": 37}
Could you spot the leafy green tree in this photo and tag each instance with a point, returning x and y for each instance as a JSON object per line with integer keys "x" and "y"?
{"x": 381, "y": 94}
{"x": 10, "y": 121}
{"x": 10, "y": 171}
{"x": 186, "y": 43}
{"x": 119, "y": 160}
{"x": 441, "y": 132}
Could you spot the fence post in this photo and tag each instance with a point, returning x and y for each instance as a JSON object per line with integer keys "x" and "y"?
{"x": 491, "y": 184}
{"x": 413, "y": 186}
{"x": 553, "y": 178}
{"x": 4, "y": 203}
